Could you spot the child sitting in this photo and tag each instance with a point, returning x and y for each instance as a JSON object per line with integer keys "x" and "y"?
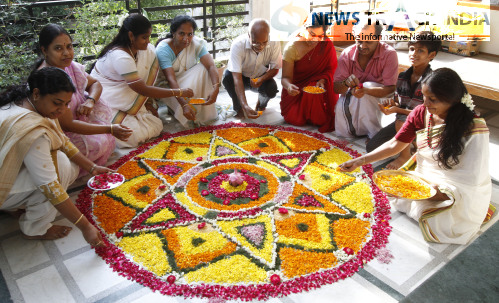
{"x": 408, "y": 93}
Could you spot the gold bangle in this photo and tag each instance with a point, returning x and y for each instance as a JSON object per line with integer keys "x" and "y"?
{"x": 173, "y": 93}
{"x": 78, "y": 219}
{"x": 180, "y": 92}
{"x": 92, "y": 169}
{"x": 112, "y": 130}
{"x": 217, "y": 84}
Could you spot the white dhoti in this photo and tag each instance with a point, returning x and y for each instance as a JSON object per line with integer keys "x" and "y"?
{"x": 358, "y": 116}
{"x": 39, "y": 211}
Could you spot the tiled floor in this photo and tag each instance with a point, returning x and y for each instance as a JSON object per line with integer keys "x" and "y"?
{"x": 68, "y": 270}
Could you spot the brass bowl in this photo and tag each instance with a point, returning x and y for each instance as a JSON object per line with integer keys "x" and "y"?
{"x": 380, "y": 173}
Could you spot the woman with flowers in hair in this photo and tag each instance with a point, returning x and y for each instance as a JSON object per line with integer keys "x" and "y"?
{"x": 453, "y": 154}
{"x": 127, "y": 69}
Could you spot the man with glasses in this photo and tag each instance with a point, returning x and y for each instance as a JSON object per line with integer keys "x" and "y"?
{"x": 367, "y": 72}
{"x": 254, "y": 61}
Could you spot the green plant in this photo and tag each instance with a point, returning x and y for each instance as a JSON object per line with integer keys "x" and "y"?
{"x": 95, "y": 25}
{"x": 16, "y": 62}
{"x": 17, "y": 42}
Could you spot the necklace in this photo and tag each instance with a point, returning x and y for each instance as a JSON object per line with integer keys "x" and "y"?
{"x": 131, "y": 53}
{"x": 428, "y": 141}
{"x": 311, "y": 54}
{"x": 180, "y": 60}
{"x": 32, "y": 105}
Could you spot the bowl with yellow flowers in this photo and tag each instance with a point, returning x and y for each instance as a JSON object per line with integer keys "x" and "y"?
{"x": 316, "y": 90}
{"x": 403, "y": 184}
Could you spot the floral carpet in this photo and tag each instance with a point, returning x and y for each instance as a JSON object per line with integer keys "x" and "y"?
{"x": 293, "y": 222}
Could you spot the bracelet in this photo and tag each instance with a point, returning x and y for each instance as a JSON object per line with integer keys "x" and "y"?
{"x": 173, "y": 93}
{"x": 185, "y": 105}
{"x": 180, "y": 92}
{"x": 92, "y": 169}
{"x": 217, "y": 84}
{"x": 78, "y": 219}
{"x": 112, "y": 130}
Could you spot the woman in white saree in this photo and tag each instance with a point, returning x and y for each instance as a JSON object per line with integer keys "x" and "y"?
{"x": 37, "y": 161}
{"x": 127, "y": 69}
{"x": 185, "y": 62}
{"x": 453, "y": 154}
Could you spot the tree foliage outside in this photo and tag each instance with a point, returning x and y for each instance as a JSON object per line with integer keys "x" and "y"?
{"x": 93, "y": 24}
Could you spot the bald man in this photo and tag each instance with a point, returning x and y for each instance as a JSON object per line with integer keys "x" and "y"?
{"x": 253, "y": 56}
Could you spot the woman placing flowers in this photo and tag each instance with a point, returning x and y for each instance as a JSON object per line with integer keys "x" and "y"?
{"x": 309, "y": 60}
{"x": 453, "y": 154}
{"x": 185, "y": 62}
{"x": 127, "y": 69}
{"x": 38, "y": 162}
{"x": 86, "y": 123}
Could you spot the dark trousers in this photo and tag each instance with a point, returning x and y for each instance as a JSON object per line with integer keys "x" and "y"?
{"x": 266, "y": 91}
{"x": 384, "y": 135}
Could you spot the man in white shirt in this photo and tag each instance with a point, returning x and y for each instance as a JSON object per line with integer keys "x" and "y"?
{"x": 254, "y": 61}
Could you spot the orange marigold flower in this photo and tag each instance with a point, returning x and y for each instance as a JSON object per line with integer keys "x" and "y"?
{"x": 313, "y": 89}
{"x": 350, "y": 233}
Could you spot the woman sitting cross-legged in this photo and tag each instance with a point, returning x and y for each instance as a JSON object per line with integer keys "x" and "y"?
{"x": 453, "y": 154}
{"x": 185, "y": 62}
{"x": 86, "y": 123}
{"x": 127, "y": 69}
{"x": 38, "y": 162}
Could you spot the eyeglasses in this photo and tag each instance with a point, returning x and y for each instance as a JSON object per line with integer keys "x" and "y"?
{"x": 260, "y": 44}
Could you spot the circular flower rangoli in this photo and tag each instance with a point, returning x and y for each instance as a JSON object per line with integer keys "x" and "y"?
{"x": 181, "y": 226}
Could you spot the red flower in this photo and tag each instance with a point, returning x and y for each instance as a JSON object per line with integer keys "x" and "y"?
{"x": 275, "y": 279}
{"x": 283, "y": 210}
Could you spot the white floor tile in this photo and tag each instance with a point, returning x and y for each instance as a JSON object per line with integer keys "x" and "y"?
{"x": 45, "y": 285}
{"x": 336, "y": 293}
{"x": 71, "y": 242}
{"x": 154, "y": 297}
{"x": 428, "y": 275}
{"x": 411, "y": 228}
{"x": 408, "y": 260}
{"x": 495, "y": 194}
{"x": 24, "y": 254}
{"x": 92, "y": 274}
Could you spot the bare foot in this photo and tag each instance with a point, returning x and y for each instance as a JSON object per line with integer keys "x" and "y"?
{"x": 239, "y": 115}
{"x": 54, "y": 232}
{"x": 396, "y": 164}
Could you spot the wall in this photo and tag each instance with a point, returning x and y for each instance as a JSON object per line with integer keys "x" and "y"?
{"x": 492, "y": 46}
{"x": 260, "y": 9}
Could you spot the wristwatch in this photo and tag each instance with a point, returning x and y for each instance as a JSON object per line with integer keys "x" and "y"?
{"x": 88, "y": 97}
